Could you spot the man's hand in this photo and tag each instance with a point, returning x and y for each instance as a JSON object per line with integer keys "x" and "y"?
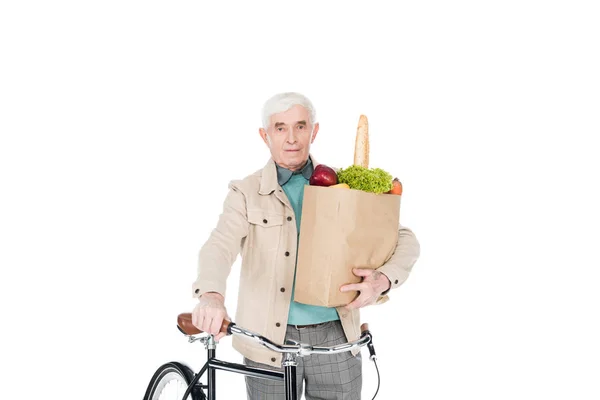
{"x": 209, "y": 313}
{"x": 373, "y": 284}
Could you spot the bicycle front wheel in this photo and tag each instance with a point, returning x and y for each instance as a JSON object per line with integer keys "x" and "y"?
{"x": 169, "y": 382}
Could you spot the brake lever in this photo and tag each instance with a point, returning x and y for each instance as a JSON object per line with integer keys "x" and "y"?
{"x": 371, "y": 348}
{"x": 370, "y": 345}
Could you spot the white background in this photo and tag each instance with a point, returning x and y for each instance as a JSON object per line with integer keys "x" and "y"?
{"x": 122, "y": 122}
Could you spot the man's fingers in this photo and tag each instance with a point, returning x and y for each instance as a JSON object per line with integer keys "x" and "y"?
{"x": 223, "y": 334}
{"x": 197, "y": 315}
{"x": 215, "y": 326}
{"x": 358, "y": 302}
{"x": 364, "y": 299}
{"x": 352, "y": 286}
{"x": 206, "y": 324}
{"x": 351, "y": 306}
{"x": 208, "y": 315}
{"x": 355, "y": 304}
{"x": 362, "y": 271}
{"x": 199, "y": 322}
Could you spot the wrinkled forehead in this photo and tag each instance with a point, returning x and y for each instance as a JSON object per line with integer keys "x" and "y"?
{"x": 292, "y": 116}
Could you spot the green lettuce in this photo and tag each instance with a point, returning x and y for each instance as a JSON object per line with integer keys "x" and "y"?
{"x": 373, "y": 180}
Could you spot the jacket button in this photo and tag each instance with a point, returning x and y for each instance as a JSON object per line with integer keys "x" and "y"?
{"x": 396, "y": 281}
{"x": 273, "y": 359}
{"x": 289, "y": 218}
{"x": 282, "y": 289}
{"x": 287, "y": 253}
{"x": 278, "y": 324}
{"x": 265, "y": 221}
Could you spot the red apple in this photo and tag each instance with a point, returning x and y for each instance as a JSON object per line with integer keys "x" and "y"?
{"x": 323, "y": 176}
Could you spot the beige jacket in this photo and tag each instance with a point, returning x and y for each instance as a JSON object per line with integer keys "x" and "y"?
{"x": 258, "y": 222}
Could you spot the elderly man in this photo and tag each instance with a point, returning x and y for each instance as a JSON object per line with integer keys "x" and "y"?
{"x": 261, "y": 219}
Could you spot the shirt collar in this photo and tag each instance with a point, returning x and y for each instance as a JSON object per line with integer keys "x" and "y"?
{"x": 284, "y": 174}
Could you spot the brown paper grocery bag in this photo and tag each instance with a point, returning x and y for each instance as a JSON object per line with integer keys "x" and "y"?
{"x": 342, "y": 229}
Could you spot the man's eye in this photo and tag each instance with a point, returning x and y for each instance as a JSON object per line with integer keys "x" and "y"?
{"x": 280, "y": 129}
{"x": 301, "y": 127}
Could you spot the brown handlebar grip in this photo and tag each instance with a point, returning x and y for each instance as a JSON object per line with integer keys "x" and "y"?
{"x": 184, "y": 321}
{"x": 364, "y": 327}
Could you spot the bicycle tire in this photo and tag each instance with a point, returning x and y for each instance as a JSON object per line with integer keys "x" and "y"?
{"x": 166, "y": 373}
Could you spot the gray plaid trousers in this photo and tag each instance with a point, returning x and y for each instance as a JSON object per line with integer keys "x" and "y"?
{"x": 326, "y": 377}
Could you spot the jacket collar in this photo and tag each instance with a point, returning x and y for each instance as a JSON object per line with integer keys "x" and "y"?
{"x": 268, "y": 181}
{"x": 284, "y": 174}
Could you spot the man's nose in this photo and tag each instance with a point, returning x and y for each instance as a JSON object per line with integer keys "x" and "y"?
{"x": 292, "y": 137}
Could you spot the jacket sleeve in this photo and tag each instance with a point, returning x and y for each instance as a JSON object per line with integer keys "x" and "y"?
{"x": 400, "y": 264}
{"x": 220, "y": 251}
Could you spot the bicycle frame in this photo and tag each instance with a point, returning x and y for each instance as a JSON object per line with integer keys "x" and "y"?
{"x": 289, "y": 364}
{"x": 213, "y": 364}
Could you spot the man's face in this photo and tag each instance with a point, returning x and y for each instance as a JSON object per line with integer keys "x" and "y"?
{"x": 289, "y": 136}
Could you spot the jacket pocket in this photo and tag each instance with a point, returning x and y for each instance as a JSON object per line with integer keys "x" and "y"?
{"x": 265, "y": 229}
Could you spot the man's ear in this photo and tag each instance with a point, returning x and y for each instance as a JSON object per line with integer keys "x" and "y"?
{"x": 315, "y": 130}
{"x": 263, "y": 135}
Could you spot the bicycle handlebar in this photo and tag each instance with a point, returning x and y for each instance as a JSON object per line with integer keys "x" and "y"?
{"x": 301, "y": 349}
{"x": 184, "y": 322}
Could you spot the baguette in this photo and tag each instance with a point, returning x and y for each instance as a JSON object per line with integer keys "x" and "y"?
{"x": 361, "y": 148}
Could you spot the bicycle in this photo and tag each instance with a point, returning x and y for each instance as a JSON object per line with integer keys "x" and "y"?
{"x": 195, "y": 389}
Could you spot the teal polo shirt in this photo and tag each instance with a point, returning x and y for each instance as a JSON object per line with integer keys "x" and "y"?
{"x": 292, "y": 183}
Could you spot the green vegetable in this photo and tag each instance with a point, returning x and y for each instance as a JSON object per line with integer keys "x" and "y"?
{"x": 374, "y": 180}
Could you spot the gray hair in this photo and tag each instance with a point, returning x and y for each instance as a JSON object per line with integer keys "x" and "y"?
{"x": 284, "y": 101}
